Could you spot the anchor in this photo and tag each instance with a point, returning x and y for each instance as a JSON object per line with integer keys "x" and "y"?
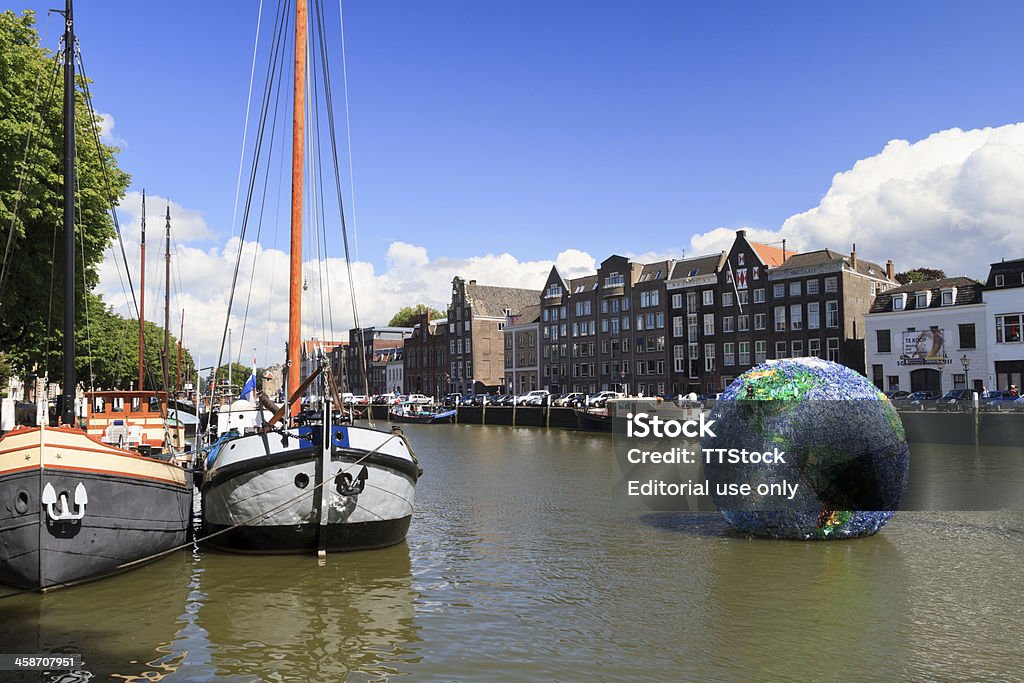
{"x": 347, "y": 487}
{"x": 66, "y": 513}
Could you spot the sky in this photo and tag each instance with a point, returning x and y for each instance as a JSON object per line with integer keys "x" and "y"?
{"x": 495, "y": 139}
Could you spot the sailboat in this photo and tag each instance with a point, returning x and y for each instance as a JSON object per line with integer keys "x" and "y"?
{"x": 76, "y": 509}
{"x": 307, "y": 488}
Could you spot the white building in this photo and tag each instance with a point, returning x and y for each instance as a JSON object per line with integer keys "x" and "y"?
{"x": 1004, "y": 301}
{"x": 395, "y": 373}
{"x": 929, "y": 336}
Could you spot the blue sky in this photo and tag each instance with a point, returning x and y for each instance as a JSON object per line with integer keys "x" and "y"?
{"x": 533, "y": 128}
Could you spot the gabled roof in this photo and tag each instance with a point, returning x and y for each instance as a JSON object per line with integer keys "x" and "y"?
{"x": 771, "y": 256}
{"x": 698, "y": 265}
{"x": 968, "y": 291}
{"x": 659, "y": 270}
{"x": 587, "y": 283}
{"x": 819, "y": 256}
{"x": 528, "y": 315}
{"x": 492, "y": 301}
{"x": 1012, "y": 272}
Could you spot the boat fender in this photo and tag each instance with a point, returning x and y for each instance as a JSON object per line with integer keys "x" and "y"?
{"x": 347, "y": 487}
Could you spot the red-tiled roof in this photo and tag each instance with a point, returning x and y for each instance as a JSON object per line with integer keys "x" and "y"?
{"x": 770, "y": 256}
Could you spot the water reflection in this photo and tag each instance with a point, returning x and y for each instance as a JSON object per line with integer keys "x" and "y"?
{"x": 291, "y": 618}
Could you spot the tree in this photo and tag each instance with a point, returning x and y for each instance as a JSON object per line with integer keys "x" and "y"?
{"x": 5, "y": 372}
{"x": 919, "y": 275}
{"x": 407, "y": 316}
{"x": 239, "y": 374}
{"x": 31, "y": 310}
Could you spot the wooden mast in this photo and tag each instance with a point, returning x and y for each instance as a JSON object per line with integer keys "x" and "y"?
{"x": 142, "y": 295}
{"x": 298, "y": 142}
{"x": 70, "y": 380}
{"x": 177, "y": 370}
{"x": 167, "y": 304}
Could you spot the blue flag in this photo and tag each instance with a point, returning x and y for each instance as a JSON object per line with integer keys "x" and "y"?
{"x": 250, "y": 384}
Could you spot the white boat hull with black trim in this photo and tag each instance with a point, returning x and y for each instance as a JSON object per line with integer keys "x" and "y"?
{"x": 264, "y": 492}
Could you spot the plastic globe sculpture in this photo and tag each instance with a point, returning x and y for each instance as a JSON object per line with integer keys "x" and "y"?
{"x": 844, "y": 443}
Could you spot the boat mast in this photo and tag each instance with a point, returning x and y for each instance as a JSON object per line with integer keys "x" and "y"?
{"x": 167, "y": 303}
{"x": 298, "y": 142}
{"x": 70, "y": 380}
{"x": 142, "y": 293}
{"x": 177, "y": 370}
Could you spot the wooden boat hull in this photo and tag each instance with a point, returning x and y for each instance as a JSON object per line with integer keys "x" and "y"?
{"x": 447, "y": 416}
{"x": 132, "y": 508}
{"x": 259, "y": 494}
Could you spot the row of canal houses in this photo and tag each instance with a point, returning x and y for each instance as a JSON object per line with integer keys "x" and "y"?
{"x": 694, "y": 324}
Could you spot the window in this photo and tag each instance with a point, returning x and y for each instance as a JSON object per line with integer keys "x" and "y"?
{"x": 709, "y": 323}
{"x": 959, "y": 381}
{"x": 813, "y": 316}
{"x": 1000, "y": 280}
{"x": 709, "y": 358}
{"x": 640, "y": 321}
{"x": 833, "y": 349}
{"x": 967, "y": 336}
{"x": 779, "y": 290}
{"x": 893, "y": 381}
{"x": 728, "y": 353}
{"x": 922, "y": 299}
{"x": 796, "y": 318}
{"x": 691, "y": 325}
{"x": 727, "y": 324}
{"x": 659, "y": 321}
{"x": 760, "y": 320}
{"x": 780, "y": 349}
{"x": 625, "y": 322}
{"x": 877, "y": 372}
{"x": 469, "y": 346}
{"x": 614, "y": 325}
{"x": 743, "y": 323}
{"x": 831, "y": 314}
{"x": 899, "y": 302}
{"x": 744, "y": 353}
{"x": 709, "y": 297}
{"x": 883, "y": 341}
{"x": 812, "y": 286}
{"x": 677, "y": 326}
{"x": 814, "y": 348}
{"x": 677, "y": 301}
{"x": 831, "y": 285}
{"x": 946, "y": 297}
{"x": 794, "y": 288}
{"x": 780, "y": 318}
{"x": 727, "y": 298}
{"x": 744, "y": 297}
{"x": 467, "y": 326}
{"x": 678, "y": 358}
{"x": 604, "y": 305}
{"x": 458, "y": 346}
{"x": 760, "y": 351}
{"x": 758, "y": 296}
{"x": 691, "y": 302}
{"x": 554, "y": 290}
{"x": 451, "y": 346}
{"x": 797, "y": 348}
{"x": 1008, "y": 328}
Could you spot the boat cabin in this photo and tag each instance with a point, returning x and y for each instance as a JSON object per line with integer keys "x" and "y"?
{"x": 135, "y": 420}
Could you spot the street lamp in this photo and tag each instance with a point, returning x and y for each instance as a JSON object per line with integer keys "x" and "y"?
{"x": 966, "y": 362}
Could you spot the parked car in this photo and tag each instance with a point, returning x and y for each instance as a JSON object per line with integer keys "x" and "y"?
{"x": 954, "y": 399}
{"x": 920, "y": 400}
{"x": 451, "y": 399}
{"x": 897, "y": 395}
{"x": 996, "y": 400}
{"x": 573, "y": 398}
{"x": 506, "y": 400}
{"x": 533, "y": 398}
{"x": 419, "y": 399}
{"x": 600, "y": 398}
{"x": 360, "y": 400}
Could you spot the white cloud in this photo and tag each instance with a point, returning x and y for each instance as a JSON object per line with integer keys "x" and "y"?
{"x": 202, "y": 282}
{"x": 187, "y": 225}
{"x": 953, "y": 200}
{"x": 107, "y": 134}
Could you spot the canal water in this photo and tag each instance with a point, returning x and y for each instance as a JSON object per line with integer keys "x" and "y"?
{"x": 520, "y": 565}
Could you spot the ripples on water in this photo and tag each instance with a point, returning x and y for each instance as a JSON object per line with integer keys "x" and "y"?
{"x": 521, "y": 565}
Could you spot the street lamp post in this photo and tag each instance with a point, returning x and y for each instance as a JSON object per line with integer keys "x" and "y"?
{"x": 966, "y": 362}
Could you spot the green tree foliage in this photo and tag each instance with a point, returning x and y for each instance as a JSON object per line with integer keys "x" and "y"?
{"x": 30, "y": 317}
{"x": 5, "y": 373}
{"x": 408, "y": 315}
{"x": 919, "y": 275}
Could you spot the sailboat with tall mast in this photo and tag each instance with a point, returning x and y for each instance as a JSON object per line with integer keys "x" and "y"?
{"x": 308, "y": 487}
{"x": 79, "y": 509}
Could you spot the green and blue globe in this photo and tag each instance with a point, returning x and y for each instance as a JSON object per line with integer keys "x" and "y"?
{"x": 844, "y": 444}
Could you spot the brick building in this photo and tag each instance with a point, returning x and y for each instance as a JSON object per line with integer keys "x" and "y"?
{"x": 363, "y": 345}
{"x": 476, "y": 344}
{"x": 426, "y": 357}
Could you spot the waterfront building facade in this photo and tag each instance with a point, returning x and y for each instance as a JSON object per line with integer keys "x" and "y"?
{"x": 476, "y": 344}
{"x": 426, "y": 358}
{"x": 929, "y": 336}
{"x": 1004, "y": 301}
{"x": 522, "y": 351}
{"x": 687, "y": 306}
{"x": 394, "y": 372}
{"x": 363, "y": 346}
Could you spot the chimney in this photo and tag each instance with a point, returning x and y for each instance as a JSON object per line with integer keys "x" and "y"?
{"x": 853, "y": 256}
{"x": 783, "y": 250}
{"x": 890, "y": 270}
{"x": 741, "y": 233}
{"x": 472, "y": 282}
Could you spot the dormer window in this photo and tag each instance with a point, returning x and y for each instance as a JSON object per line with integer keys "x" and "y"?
{"x": 948, "y": 296}
{"x": 922, "y": 299}
{"x": 1000, "y": 281}
{"x": 614, "y": 280}
{"x": 899, "y": 302}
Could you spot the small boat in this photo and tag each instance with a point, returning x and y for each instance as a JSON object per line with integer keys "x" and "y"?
{"x": 597, "y": 419}
{"x": 78, "y": 509}
{"x": 414, "y": 413}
